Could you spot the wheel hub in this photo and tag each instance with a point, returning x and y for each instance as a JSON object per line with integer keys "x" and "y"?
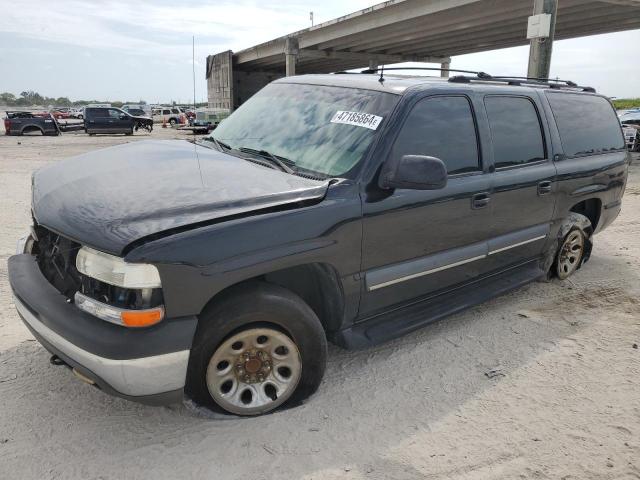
{"x": 253, "y": 366}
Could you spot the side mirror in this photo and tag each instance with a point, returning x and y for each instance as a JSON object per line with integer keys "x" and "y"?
{"x": 414, "y": 172}
{"x": 123, "y": 116}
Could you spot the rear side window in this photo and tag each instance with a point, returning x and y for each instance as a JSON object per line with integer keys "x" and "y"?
{"x": 175, "y": 110}
{"x": 516, "y": 132}
{"x": 97, "y": 112}
{"x": 587, "y": 123}
{"x": 441, "y": 127}
{"x": 166, "y": 112}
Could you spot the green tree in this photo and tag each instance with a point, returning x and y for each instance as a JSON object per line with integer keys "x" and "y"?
{"x": 7, "y": 98}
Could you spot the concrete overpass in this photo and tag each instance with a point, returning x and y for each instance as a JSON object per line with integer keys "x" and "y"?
{"x": 399, "y": 31}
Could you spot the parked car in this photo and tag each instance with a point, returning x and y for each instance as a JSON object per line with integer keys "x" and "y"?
{"x": 170, "y": 115}
{"x": 25, "y": 123}
{"x": 113, "y": 120}
{"x": 632, "y": 136}
{"x": 630, "y": 118}
{"x": 221, "y": 269}
{"x": 77, "y": 113}
{"x": 60, "y": 113}
{"x": 137, "y": 112}
{"x": 145, "y": 109}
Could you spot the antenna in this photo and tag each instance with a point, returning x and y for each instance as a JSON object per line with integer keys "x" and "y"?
{"x": 193, "y": 66}
{"x": 381, "y": 79}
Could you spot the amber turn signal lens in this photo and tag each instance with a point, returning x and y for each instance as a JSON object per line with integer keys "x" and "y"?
{"x": 142, "y": 318}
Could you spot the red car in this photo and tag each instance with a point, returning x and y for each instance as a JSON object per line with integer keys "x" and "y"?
{"x": 60, "y": 113}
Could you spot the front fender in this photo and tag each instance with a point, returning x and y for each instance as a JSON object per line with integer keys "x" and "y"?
{"x": 197, "y": 264}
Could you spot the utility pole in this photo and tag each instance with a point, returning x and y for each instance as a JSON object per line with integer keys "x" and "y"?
{"x": 311, "y": 18}
{"x": 541, "y": 31}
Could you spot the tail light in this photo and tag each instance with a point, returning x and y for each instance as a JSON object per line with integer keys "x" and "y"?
{"x": 7, "y": 126}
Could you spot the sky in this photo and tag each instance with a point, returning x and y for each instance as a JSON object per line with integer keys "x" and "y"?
{"x": 141, "y": 49}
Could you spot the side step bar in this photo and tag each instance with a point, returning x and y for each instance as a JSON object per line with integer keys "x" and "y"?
{"x": 406, "y": 319}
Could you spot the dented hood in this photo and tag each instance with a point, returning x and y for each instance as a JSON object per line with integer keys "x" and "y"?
{"x": 112, "y": 197}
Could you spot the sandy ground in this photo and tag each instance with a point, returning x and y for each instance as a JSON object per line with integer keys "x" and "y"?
{"x": 564, "y": 403}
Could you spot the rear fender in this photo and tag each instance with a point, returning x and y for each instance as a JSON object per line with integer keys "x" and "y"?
{"x": 573, "y": 220}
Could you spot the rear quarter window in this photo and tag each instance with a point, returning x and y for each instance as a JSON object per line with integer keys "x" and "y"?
{"x": 587, "y": 124}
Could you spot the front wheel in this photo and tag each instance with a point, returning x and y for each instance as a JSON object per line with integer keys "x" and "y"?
{"x": 260, "y": 348}
{"x": 173, "y": 122}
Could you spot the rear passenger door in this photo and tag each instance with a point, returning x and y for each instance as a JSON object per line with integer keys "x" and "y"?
{"x": 416, "y": 242}
{"x": 523, "y": 181}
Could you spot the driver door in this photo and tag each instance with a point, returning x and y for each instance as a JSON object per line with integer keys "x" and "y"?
{"x": 418, "y": 242}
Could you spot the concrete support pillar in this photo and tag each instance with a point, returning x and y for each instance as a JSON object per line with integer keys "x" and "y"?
{"x": 540, "y": 48}
{"x": 373, "y": 64}
{"x": 445, "y": 65}
{"x": 291, "y": 50}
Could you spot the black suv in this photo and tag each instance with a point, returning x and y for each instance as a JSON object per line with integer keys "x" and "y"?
{"x": 113, "y": 120}
{"x": 348, "y": 208}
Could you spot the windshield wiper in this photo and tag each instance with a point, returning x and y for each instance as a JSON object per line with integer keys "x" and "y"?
{"x": 272, "y": 158}
{"x": 221, "y": 145}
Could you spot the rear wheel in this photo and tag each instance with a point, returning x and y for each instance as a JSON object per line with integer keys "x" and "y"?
{"x": 258, "y": 349}
{"x": 569, "y": 256}
{"x": 172, "y": 122}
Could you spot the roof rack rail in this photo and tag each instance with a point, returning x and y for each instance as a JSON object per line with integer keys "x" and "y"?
{"x": 483, "y": 76}
{"x": 518, "y": 81}
{"x": 382, "y": 70}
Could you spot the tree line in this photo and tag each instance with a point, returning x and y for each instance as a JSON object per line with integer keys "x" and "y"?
{"x": 30, "y": 98}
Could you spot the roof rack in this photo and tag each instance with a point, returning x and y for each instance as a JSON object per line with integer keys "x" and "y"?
{"x": 483, "y": 76}
{"x": 555, "y": 83}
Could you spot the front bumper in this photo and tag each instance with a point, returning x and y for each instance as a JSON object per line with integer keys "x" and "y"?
{"x": 145, "y": 365}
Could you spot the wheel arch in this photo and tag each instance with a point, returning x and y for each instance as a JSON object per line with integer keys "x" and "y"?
{"x": 31, "y": 128}
{"x": 590, "y": 208}
{"x": 317, "y": 284}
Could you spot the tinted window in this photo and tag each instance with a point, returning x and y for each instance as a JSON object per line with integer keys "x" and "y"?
{"x": 587, "y": 123}
{"x": 175, "y": 110}
{"x": 441, "y": 127}
{"x": 114, "y": 113}
{"x": 98, "y": 112}
{"x": 166, "y": 112}
{"x": 515, "y": 131}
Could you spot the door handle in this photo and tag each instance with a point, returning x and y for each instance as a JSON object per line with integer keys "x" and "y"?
{"x": 544, "y": 188}
{"x": 480, "y": 200}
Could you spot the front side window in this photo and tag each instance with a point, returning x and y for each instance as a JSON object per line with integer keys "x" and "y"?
{"x": 441, "y": 127}
{"x": 114, "y": 113}
{"x": 319, "y": 128}
{"x": 166, "y": 112}
{"x": 516, "y": 132}
{"x": 587, "y": 123}
{"x": 175, "y": 110}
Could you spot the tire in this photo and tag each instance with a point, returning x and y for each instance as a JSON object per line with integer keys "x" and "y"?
{"x": 80, "y": 117}
{"x": 570, "y": 254}
{"x": 172, "y": 122}
{"x": 246, "y": 342}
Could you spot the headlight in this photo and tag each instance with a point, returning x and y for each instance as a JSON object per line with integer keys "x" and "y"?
{"x": 115, "y": 271}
